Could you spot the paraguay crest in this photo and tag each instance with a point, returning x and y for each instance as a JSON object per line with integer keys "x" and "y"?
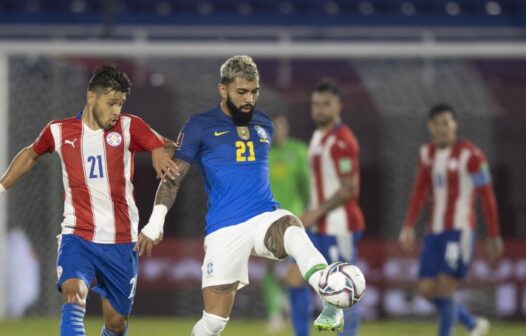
{"x": 263, "y": 136}
{"x": 113, "y": 139}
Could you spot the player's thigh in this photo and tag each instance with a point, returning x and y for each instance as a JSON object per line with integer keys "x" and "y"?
{"x": 293, "y": 276}
{"x": 117, "y": 270}
{"x": 219, "y": 299}
{"x": 227, "y": 251}
{"x": 268, "y": 232}
{"x": 431, "y": 256}
{"x": 75, "y": 269}
{"x": 113, "y": 320}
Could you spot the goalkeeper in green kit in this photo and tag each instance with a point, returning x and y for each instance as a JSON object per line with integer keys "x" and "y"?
{"x": 289, "y": 180}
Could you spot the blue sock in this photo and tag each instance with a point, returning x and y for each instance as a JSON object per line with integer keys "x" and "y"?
{"x": 301, "y": 309}
{"x": 107, "y": 332}
{"x": 352, "y": 321}
{"x": 72, "y": 320}
{"x": 446, "y": 310}
{"x": 465, "y": 317}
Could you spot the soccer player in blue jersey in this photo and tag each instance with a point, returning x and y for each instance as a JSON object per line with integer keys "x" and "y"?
{"x": 230, "y": 145}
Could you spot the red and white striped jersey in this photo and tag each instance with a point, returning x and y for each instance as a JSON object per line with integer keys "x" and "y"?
{"x": 452, "y": 177}
{"x": 332, "y": 156}
{"x": 97, "y": 172}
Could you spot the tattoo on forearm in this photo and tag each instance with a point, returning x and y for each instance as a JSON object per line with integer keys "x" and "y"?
{"x": 167, "y": 191}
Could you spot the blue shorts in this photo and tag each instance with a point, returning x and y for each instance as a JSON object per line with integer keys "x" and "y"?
{"x": 337, "y": 247}
{"x": 113, "y": 266}
{"x": 448, "y": 252}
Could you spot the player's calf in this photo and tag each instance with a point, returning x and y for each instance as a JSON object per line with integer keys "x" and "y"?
{"x": 74, "y": 293}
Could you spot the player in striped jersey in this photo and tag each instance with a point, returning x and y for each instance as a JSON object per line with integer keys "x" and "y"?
{"x": 335, "y": 220}
{"x": 451, "y": 171}
{"x": 96, "y": 148}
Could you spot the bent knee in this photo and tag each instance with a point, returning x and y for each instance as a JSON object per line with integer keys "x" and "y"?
{"x": 117, "y": 324}
{"x": 274, "y": 238}
{"x": 74, "y": 291}
{"x": 427, "y": 291}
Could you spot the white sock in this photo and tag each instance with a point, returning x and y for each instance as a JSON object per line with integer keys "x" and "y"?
{"x": 308, "y": 258}
{"x": 209, "y": 325}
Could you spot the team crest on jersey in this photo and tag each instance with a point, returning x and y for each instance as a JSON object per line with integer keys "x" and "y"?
{"x": 243, "y": 132}
{"x": 113, "y": 139}
{"x": 263, "y": 136}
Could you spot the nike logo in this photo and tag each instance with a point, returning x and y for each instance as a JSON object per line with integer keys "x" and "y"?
{"x": 216, "y": 133}
{"x": 69, "y": 142}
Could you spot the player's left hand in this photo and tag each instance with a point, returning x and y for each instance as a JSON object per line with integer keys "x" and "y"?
{"x": 163, "y": 164}
{"x": 310, "y": 218}
{"x": 494, "y": 248}
{"x": 145, "y": 244}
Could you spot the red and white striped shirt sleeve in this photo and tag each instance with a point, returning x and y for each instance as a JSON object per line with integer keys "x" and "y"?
{"x": 479, "y": 171}
{"x": 421, "y": 188}
{"x": 45, "y": 142}
{"x": 143, "y": 137}
{"x": 345, "y": 153}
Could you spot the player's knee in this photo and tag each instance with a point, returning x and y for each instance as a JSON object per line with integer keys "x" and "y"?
{"x": 426, "y": 290}
{"x": 117, "y": 324}
{"x": 209, "y": 325}
{"x": 74, "y": 292}
{"x": 274, "y": 238}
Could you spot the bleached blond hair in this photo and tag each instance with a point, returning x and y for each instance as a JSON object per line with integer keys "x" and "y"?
{"x": 242, "y": 66}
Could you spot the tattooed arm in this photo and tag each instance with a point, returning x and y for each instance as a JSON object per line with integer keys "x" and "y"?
{"x": 152, "y": 233}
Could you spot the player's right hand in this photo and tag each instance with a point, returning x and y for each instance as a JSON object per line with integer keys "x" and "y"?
{"x": 145, "y": 244}
{"x": 407, "y": 239}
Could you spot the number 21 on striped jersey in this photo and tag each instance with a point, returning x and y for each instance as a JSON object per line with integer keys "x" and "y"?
{"x": 95, "y": 170}
{"x": 241, "y": 148}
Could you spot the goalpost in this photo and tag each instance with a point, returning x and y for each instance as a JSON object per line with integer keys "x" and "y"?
{"x": 42, "y": 68}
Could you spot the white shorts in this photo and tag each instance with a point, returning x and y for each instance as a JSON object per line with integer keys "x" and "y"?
{"x": 227, "y": 250}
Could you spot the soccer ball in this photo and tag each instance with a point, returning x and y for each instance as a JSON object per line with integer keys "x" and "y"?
{"x": 341, "y": 284}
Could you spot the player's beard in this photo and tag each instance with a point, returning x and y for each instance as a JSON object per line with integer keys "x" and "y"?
{"x": 98, "y": 119}
{"x": 239, "y": 117}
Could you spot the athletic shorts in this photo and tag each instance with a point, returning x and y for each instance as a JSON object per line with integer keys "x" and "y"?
{"x": 113, "y": 267}
{"x": 227, "y": 250}
{"x": 448, "y": 252}
{"x": 337, "y": 247}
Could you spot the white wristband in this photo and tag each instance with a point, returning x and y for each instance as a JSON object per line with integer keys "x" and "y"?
{"x": 2, "y": 188}
{"x": 155, "y": 225}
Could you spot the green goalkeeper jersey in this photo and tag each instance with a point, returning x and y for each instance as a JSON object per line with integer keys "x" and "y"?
{"x": 289, "y": 175}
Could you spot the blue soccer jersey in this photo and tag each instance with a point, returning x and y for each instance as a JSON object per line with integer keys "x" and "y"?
{"x": 233, "y": 162}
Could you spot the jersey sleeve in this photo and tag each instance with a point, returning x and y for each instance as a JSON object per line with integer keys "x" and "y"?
{"x": 143, "y": 137}
{"x": 479, "y": 170}
{"x": 188, "y": 141}
{"x": 45, "y": 142}
{"x": 421, "y": 188}
{"x": 346, "y": 153}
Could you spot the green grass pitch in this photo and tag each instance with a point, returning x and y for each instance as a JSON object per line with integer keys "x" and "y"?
{"x": 175, "y": 327}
